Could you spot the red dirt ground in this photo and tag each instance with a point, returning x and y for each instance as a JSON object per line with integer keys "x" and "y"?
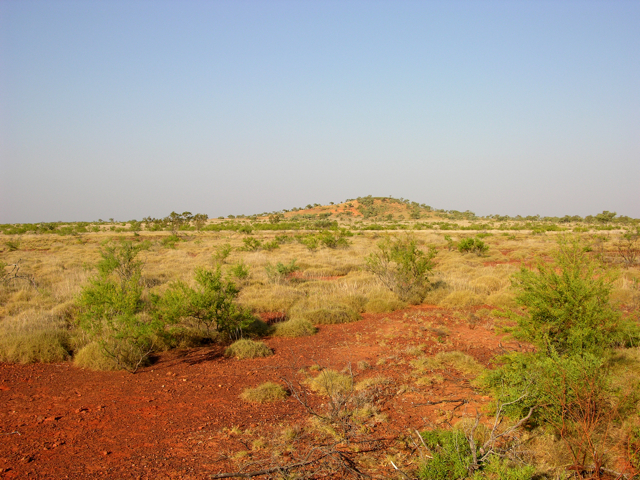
{"x": 172, "y": 419}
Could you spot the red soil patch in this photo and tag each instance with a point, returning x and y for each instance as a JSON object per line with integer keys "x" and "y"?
{"x": 171, "y": 420}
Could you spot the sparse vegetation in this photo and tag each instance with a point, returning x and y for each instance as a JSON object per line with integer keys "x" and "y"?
{"x": 111, "y": 295}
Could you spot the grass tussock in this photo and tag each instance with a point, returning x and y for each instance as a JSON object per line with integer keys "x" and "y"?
{"x": 331, "y": 383}
{"x": 246, "y": 348}
{"x": 460, "y": 361}
{"x": 296, "y": 327}
{"x": 267, "y": 392}
{"x": 331, "y": 314}
{"x": 371, "y": 382}
{"x": 92, "y": 357}
{"x": 462, "y": 298}
{"x": 34, "y": 336}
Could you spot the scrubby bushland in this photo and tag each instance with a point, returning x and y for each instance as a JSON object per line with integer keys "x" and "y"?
{"x": 402, "y": 267}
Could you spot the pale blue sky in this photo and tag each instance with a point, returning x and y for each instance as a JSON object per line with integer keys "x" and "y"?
{"x": 132, "y": 108}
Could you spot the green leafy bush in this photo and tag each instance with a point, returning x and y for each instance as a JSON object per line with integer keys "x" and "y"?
{"x": 251, "y": 244}
{"x": 567, "y": 308}
{"x": 402, "y": 267}
{"x": 472, "y": 245}
{"x": 210, "y": 307}
{"x": 240, "y": 270}
{"x": 222, "y": 253}
{"x": 451, "y": 455}
{"x": 279, "y": 272}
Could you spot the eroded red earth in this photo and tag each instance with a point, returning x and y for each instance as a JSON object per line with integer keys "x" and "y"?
{"x": 173, "y": 419}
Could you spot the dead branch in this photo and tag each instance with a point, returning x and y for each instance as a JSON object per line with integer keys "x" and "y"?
{"x": 15, "y": 274}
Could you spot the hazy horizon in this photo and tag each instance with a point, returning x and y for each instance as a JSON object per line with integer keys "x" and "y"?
{"x": 127, "y": 109}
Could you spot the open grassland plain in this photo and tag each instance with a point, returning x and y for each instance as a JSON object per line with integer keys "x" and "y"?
{"x": 328, "y": 342}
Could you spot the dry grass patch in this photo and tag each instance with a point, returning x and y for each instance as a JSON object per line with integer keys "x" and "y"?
{"x": 331, "y": 383}
{"x": 296, "y": 327}
{"x": 460, "y": 361}
{"x": 430, "y": 380}
{"x": 462, "y": 298}
{"x": 371, "y": 382}
{"x": 267, "y": 392}
{"x": 246, "y": 348}
{"x": 92, "y": 356}
{"x": 330, "y": 314}
{"x": 34, "y": 336}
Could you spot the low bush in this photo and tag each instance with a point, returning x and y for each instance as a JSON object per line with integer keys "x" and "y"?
{"x": 402, "y": 267}
{"x": 267, "y": 392}
{"x": 473, "y": 245}
{"x": 246, "y": 348}
{"x": 210, "y": 307}
{"x": 280, "y": 272}
{"x": 222, "y": 253}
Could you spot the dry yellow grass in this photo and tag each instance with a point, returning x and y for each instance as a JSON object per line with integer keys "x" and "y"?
{"x": 332, "y": 285}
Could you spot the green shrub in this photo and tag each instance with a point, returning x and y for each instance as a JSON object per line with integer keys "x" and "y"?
{"x": 210, "y": 307}
{"x": 246, "y": 348}
{"x": 451, "y": 455}
{"x": 402, "y": 267}
{"x": 333, "y": 240}
{"x": 251, "y": 244}
{"x": 475, "y": 245}
{"x": 240, "y": 270}
{"x": 171, "y": 241}
{"x": 280, "y": 272}
{"x": 270, "y": 246}
{"x": 452, "y": 459}
{"x": 267, "y": 392}
{"x": 296, "y": 327}
{"x": 309, "y": 241}
{"x": 222, "y": 253}
{"x": 567, "y": 304}
{"x": 113, "y": 311}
